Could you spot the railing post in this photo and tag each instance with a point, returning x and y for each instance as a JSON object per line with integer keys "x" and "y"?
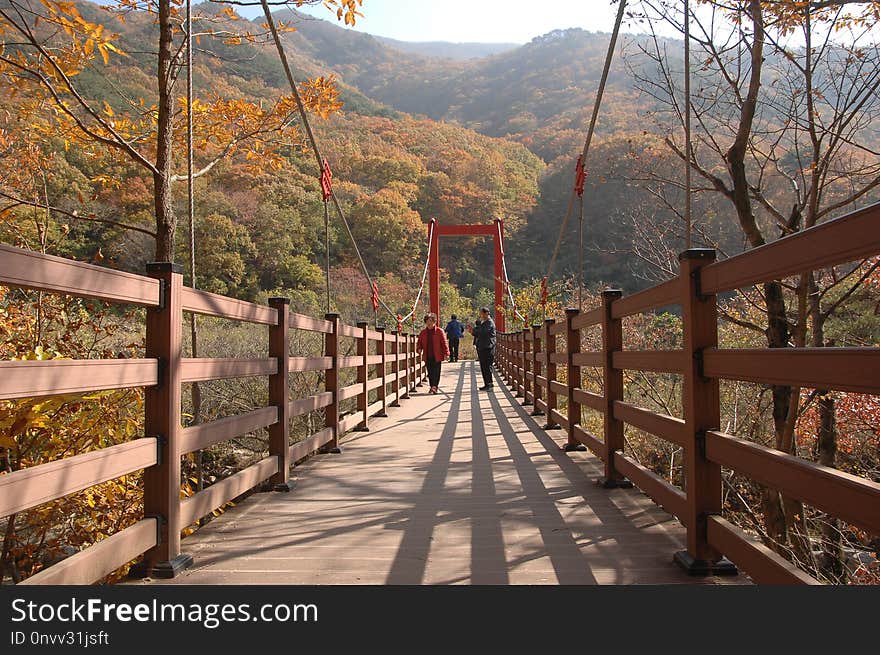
{"x": 406, "y": 365}
{"x": 550, "y": 367}
{"x": 382, "y": 392}
{"x": 528, "y": 366}
{"x": 573, "y": 380}
{"x": 331, "y": 384}
{"x": 536, "y": 370}
{"x": 612, "y": 341}
{"x": 279, "y": 432}
{"x": 517, "y": 364}
{"x": 162, "y": 418}
{"x": 395, "y": 369}
{"x": 419, "y": 365}
{"x": 702, "y": 412}
{"x": 363, "y": 374}
{"x": 414, "y": 358}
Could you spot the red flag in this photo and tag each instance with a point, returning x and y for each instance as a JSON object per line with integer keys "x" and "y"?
{"x": 580, "y": 176}
{"x": 375, "y": 297}
{"x": 326, "y": 178}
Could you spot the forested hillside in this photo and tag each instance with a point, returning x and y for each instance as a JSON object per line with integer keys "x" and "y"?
{"x": 93, "y": 167}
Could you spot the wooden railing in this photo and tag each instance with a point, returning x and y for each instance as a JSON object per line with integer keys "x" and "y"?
{"x": 392, "y": 371}
{"x": 529, "y": 360}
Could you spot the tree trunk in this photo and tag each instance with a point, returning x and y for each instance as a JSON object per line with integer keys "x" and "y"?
{"x": 831, "y": 561}
{"x": 165, "y": 220}
{"x": 777, "y": 321}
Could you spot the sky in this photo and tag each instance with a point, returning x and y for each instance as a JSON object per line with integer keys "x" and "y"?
{"x": 484, "y": 21}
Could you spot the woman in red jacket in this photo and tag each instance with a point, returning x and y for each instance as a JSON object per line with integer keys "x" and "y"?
{"x": 434, "y": 348}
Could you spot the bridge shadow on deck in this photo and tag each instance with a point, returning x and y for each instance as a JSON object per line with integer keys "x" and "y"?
{"x": 459, "y": 487}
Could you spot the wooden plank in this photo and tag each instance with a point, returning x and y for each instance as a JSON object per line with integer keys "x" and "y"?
{"x": 372, "y": 360}
{"x": 350, "y": 422}
{"x": 660, "y": 295}
{"x": 558, "y": 387}
{"x": 310, "y": 444}
{"x": 25, "y": 379}
{"x": 310, "y": 364}
{"x": 220, "y": 493}
{"x": 541, "y": 405}
{"x": 845, "y": 369}
{"x": 33, "y": 270}
{"x": 311, "y": 403}
{"x": 848, "y": 497}
{"x": 846, "y": 239}
{"x": 559, "y": 358}
{"x": 556, "y": 328}
{"x": 588, "y": 358}
{"x": 101, "y": 559}
{"x": 372, "y": 335}
{"x": 542, "y": 381}
{"x": 559, "y": 418}
{"x": 303, "y": 322}
{"x": 204, "y": 369}
{"x": 666, "y": 427}
{"x": 762, "y": 564}
{"x": 26, "y": 488}
{"x": 591, "y": 442}
{"x": 351, "y": 391}
{"x": 374, "y": 408}
{"x": 212, "y": 304}
{"x": 350, "y": 362}
{"x": 204, "y": 435}
{"x": 588, "y": 318}
{"x": 589, "y": 399}
{"x": 660, "y": 361}
{"x": 669, "y": 497}
{"x": 375, "y": 383}
{"x": 350, "y": 331}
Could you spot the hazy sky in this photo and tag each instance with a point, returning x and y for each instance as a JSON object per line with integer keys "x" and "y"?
{"x": 487, "y": 21}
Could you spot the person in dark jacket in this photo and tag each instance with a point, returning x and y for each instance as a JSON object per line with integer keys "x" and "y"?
{"x": 434, "y": 348}
{"x": 454, "y": 332}
{"x": 484, "y": 340}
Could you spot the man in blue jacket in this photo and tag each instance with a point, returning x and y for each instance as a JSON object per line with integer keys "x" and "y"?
{"x": 454, "y": 332}
{"x": 484, "y": 340}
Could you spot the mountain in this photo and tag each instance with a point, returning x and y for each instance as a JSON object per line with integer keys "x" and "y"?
{"x": 447, "y": 50}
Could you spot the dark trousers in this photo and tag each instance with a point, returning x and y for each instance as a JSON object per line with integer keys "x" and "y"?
{"x": 433, "y": 372}
{"x": 486, "y": 355}
{"x": 453, "y": 349}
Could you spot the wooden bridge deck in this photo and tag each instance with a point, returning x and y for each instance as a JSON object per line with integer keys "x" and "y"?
{"x": 459, "y": 488}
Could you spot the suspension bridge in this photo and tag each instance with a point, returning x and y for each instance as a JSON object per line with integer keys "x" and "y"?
{"x": 398, "y": 486}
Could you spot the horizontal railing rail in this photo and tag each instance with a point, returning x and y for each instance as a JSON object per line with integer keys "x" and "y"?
{"x": 701, "y": 363}
{"x": 387, "y": 366}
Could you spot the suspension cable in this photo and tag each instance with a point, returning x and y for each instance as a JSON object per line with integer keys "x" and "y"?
{"x": 506, "y": 279}
{"x": 431, "y": 228}
{"x": 688, "y": 215}
{"x": 314, "y": 143}
{"x": 582, "y": 161}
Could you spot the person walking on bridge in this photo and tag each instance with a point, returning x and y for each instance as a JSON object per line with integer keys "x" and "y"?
{"x": 484, "y": 340}
{"x": 454, "y": 332}
{"x": 434, "y": 348}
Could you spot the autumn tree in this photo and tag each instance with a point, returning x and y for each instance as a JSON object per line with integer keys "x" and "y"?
{"x": 48, "y": 45}
{"x": 784, "y": 98}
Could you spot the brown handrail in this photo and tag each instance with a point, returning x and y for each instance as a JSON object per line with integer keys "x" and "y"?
{"x": 162, "y": 373}
{"x": 855, "y": 500}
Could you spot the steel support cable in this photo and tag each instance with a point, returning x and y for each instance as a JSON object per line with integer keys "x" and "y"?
{"x": 586, "y": 149}
{"x": 424, "y": 272}
{"x": 688, "y": 210}
{"x": 506, "y": 279}
{"x": 191, "y": 216}
{"x": 314, "y": 143}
